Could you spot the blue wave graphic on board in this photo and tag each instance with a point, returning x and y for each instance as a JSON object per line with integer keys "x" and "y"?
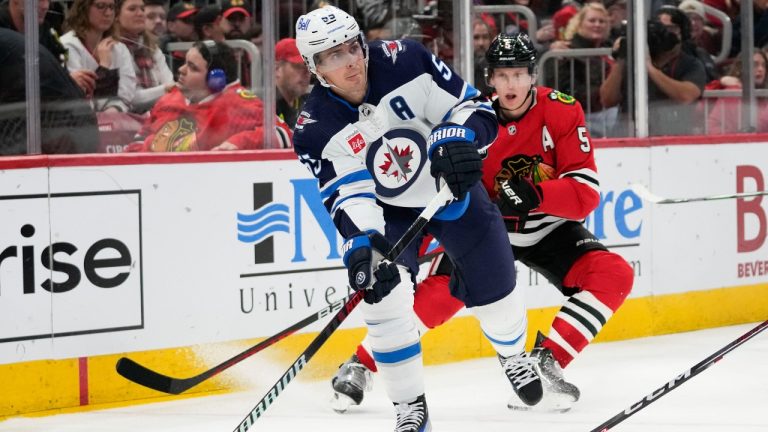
{"x": 256, "y": 226}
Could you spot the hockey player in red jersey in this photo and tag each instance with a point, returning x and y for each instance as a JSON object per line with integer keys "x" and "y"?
{"x": 541, "y": 172}
{"x": 209, "y": 110}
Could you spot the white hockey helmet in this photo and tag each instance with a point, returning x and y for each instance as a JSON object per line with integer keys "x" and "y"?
{"x": 324, "y": 28}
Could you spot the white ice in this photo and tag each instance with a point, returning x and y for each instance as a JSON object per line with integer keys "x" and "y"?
{"x": 731, "y": 396}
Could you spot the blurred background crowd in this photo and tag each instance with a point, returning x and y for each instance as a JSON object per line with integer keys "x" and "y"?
{"x": 149, "y": 75}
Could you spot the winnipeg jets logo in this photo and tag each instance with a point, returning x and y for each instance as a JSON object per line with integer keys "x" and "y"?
{"x": 360, "y": 279}
{"x": 397, "y": 162}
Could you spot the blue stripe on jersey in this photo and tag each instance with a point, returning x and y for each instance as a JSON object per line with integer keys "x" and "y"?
{"x": 398, "y": 355}
{"x": 470, "y": 92}
{"x": 347, "y": 179}
{"x": 488, "y": 107}
{"x": 500, "y": 342}
{"x": 360, "y": 195}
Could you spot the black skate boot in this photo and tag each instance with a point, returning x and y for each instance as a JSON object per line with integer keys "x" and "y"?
{"x": 560, "y": 395}
{"x": 525, "y": 381}
{"x": 413, "y": 416}
{"x": 349, "y": 384}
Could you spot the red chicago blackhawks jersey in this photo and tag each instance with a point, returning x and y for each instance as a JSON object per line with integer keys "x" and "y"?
{"x": 551, "y": 146}
{"x": 235, "y": 115}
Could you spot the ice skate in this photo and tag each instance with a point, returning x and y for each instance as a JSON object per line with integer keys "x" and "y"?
{"x": 559, "y": 394}
{"x": 525, "y": 382}
{"x": 349, "y": 384}
{"x": 413, "y": 416}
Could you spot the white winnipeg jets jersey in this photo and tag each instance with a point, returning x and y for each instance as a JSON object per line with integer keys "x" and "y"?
{"x": 378, "y": 150}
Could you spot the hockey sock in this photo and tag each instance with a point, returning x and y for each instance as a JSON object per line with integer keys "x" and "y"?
{"x": 605, "y": 280}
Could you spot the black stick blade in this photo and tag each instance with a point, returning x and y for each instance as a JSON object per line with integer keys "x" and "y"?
{"x": 146, "y": 377}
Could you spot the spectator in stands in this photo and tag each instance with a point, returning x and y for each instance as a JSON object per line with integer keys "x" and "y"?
{"x": 702, "y": 35}
{"x": 12, "y": 18}
{"x": 563, "y": 16}
{"x": 617, "y": 17}
{"x": 180, "y": 25}
{"x": 180, "y": 29}
{"x": 237, "y": 19}
{"x": 678, "y": 22}
{"x": 291, "y": 79}
{"x": 209, "y": 110}
{"x": 91, "y": 45}
{"x": 482, "y": 34}
{"x": 67, "y": 122}
{"x": 208, "y": 24}
{"x": 156, "y": 15}
{"x": 545, "y": 32}
{"x": 582, "y": 77}
{"x": 676, "y": 81}
{"x": 760, "y": 26}
{"x": 153, "y": 76}
{"x": 731, "y": 8}
{"x": 254, "y": 35}
{"x": 726, "y": 114}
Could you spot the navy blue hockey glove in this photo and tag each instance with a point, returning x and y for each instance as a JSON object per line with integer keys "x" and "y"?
{"x": 366, "y": 267}
{"x": 517, "y": 197}
{"x": 454, "y": 158}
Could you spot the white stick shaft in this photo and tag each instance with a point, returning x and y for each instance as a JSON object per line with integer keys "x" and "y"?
{"x": 647, "y": 195}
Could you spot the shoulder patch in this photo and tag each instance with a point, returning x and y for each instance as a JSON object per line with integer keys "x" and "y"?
{"x": 559, "y": 96}
{"x": 392, "y": 48}
{"x": 303, "y": 120}
{"x": 246, "y": 94}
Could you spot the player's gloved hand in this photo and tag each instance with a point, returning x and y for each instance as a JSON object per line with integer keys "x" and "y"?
{"x": 366, "y": 267}
{"x": 454, "y": 158}
{"x": 517, "y": 197}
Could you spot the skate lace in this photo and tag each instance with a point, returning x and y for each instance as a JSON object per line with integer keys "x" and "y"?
{"x": 519, "y": 369}
{"x": 409, "y": 416}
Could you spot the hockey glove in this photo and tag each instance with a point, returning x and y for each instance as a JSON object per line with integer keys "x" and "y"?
{"x": 454, "y": 158}
{"x": 366, "y": 267}
{"x": 516, "y": 199}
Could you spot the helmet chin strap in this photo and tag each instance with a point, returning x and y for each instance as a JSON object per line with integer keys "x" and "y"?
{"x": 528, "y": 95}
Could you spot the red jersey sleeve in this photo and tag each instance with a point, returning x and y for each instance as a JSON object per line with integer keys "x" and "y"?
{"x": 574, "y": 192}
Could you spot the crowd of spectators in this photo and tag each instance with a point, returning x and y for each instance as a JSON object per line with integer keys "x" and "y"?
{"x": 114, "y": 58}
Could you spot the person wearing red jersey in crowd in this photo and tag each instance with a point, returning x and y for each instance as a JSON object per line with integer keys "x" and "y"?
{"x": 209, "y": 110}
{"x": 541, "y": 172}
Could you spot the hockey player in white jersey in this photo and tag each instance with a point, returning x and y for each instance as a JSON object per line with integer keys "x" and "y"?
{"x": 388, "y": 122}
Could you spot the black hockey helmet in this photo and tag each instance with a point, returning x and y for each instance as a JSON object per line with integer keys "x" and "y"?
{"x": 511, "y": 50}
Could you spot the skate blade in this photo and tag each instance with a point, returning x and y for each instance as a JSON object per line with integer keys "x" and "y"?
{"x": 341, "y": 402}
{"x": 550, "y": 402}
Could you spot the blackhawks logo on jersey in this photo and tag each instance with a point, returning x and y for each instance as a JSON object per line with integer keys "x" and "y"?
{"x": 521, "y": 166}
{"x": 176, "y": 136}
{"x": 559, "y": 96}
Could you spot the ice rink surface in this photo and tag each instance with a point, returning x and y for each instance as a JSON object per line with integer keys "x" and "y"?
{"x": 732, "y": 396}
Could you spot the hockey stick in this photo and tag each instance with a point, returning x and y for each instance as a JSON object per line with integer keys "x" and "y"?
{"x": 142, "y": 375}
{"x": 421, "y": 221}
{"x": 647, "y": 195}
{"x": 680, "y": 379}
